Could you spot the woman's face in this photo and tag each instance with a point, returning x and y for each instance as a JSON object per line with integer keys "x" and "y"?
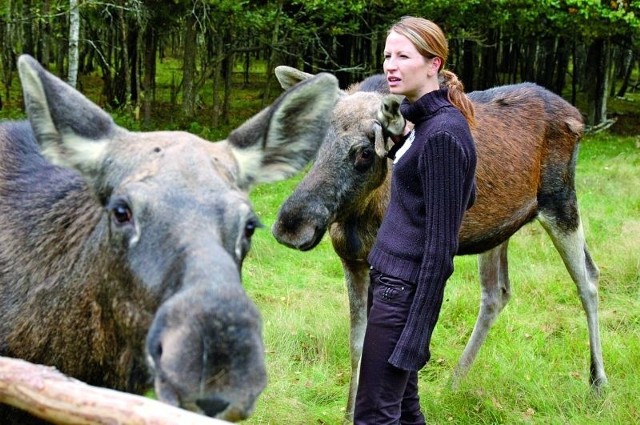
{"x": 408, "y": 72}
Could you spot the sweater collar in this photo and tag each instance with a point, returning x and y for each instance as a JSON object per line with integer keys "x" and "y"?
{"x": 426, "y": 106}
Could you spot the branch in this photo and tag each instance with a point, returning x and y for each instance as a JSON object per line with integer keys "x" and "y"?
{"x": 604, "y": 125}
{"x": 48, "y": 394}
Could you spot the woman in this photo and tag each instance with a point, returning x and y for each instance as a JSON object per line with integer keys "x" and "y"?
{"x": 433, "y": 185}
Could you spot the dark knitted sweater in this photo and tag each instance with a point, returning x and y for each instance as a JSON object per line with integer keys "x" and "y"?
{"x": 433, "y": 184}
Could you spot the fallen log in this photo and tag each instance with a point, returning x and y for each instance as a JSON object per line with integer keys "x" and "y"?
{"x": 48, "y": 394}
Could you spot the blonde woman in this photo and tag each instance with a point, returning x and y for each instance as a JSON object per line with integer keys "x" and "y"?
{"x": 433, "y": 184}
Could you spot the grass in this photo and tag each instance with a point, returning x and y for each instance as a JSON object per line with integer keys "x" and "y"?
{"x": 533, "y": 368}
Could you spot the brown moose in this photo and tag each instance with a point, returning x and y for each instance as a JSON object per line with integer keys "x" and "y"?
{"x": 527, "y": 143}
{"x": 120, "y": 252}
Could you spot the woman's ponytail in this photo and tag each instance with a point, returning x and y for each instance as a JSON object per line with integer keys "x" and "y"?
{"x": 457, "y": 95}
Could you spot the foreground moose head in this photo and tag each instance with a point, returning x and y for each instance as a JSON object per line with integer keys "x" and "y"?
{"x": 527, "y": 142}
{"x": 120, "y": 252}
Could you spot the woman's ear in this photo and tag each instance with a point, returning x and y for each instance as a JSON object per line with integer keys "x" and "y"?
{"x": 437, "y": 63}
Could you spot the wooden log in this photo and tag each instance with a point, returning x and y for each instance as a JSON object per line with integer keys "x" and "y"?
{"x": 48, "y": 394}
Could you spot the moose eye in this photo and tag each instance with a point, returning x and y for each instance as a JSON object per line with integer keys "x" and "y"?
{"x": 250, "y": 227}
{"x": 121, "y": 213}
{"x": 364, "y": 158}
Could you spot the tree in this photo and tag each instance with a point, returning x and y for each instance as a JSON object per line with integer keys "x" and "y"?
{"x": 491, "y": 43}
{"x": 74, "y": 35}
{"x": 600, "y": 24}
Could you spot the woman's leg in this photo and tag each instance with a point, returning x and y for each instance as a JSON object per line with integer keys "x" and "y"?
{"x": 382, "y": 387}
{"x": 410, "y": 409}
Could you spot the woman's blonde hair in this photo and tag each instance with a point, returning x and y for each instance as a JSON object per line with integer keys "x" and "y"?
{"x": 429, "y": 40}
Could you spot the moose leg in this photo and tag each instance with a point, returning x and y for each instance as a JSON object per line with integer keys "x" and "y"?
{"x": 357, "y": 279}
{"x": 496, "y": 291}
{"x": 571, "y": 245}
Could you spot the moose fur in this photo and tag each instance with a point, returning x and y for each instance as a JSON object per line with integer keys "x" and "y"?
{"x": 121, "y": 252}
{"x": 527, "y": 143}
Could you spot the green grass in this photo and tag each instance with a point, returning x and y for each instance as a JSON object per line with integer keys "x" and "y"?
{"x": 533, "y": 368}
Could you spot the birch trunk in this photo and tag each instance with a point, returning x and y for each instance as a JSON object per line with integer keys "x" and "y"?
{"x": 74, "y": 35}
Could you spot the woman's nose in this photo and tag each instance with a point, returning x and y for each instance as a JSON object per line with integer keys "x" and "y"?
{"x": 389, "y": 63}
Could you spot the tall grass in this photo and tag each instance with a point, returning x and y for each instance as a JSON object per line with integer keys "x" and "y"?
{"x": 534, "y": 365}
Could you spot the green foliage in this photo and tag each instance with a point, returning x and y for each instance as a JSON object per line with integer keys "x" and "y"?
{"x": 581, "y": 18}
{"x": 596, "y": 18}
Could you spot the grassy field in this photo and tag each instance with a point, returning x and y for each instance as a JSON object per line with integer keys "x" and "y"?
{"x": 533, "y": 367}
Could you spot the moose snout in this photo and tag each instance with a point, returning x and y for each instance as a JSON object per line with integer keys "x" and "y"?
{"x": 301, "y": 223}
{"x": 206, "y": 353}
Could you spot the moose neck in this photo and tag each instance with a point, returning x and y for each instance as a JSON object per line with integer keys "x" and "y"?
{"x": 353, "y": 235}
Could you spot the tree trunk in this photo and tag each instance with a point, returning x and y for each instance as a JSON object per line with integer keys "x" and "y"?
{"x": 135, "y": 47}
{"x": 149, "y": 84}
{"x": 528, "y": 61}
{"x": 6, "y": 53}
{"x": 344, "y": 48}
{"x": 629, "y": 60}
{"x": 45, "y": 37}
{"x": 27, "y": 31}
{"x": 48, "y": 394}
{"x": 217, "y": 77}
{"x": 227, "y": 65}
{"x": 598, "y": 76}
{"x": 510, "y": 60}
{"x": 272, "y": 57}
{"x": 561, "y": 67}
{"x": 468, "y": 66}
{"x": 547, "y": 62}
{"x": 74, "y": 34}
{"x": 189, "y": 66}
{"x": 489, "y": 61}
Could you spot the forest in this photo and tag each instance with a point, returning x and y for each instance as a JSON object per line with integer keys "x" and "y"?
{"x": 586, "y": 50}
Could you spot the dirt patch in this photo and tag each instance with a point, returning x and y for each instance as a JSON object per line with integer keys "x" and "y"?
{"x": 627, "y": 124}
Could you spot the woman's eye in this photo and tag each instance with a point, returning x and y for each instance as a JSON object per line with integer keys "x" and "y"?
{"x": 122, "y": 214}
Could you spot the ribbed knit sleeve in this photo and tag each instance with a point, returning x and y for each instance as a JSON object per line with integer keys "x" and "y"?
{"x": 443, "y": 169}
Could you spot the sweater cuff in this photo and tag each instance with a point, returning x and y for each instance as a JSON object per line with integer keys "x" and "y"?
{"x": 407, "y": 359}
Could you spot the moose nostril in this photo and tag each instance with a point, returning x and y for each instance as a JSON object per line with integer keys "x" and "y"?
{"x": 212, "y": 406}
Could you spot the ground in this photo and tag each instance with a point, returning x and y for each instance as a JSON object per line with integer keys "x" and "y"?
{"x": 626, "y": 111}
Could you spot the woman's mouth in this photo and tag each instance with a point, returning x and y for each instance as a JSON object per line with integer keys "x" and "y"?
{"x": 393, "y": 81}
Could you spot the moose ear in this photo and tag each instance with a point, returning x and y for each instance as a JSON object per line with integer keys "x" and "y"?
{"x": 281, "y": 139}
{"x": 389, "y": 115}
{"x": 289, "y": 77}
{"x": 71, "y": 130}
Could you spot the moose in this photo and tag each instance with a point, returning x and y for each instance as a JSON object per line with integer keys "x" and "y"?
{"x": 121, "y": 252}
{"x": 527, "y": 143}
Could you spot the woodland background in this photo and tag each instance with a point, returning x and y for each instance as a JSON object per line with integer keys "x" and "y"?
{"x": 586, "y": 50}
